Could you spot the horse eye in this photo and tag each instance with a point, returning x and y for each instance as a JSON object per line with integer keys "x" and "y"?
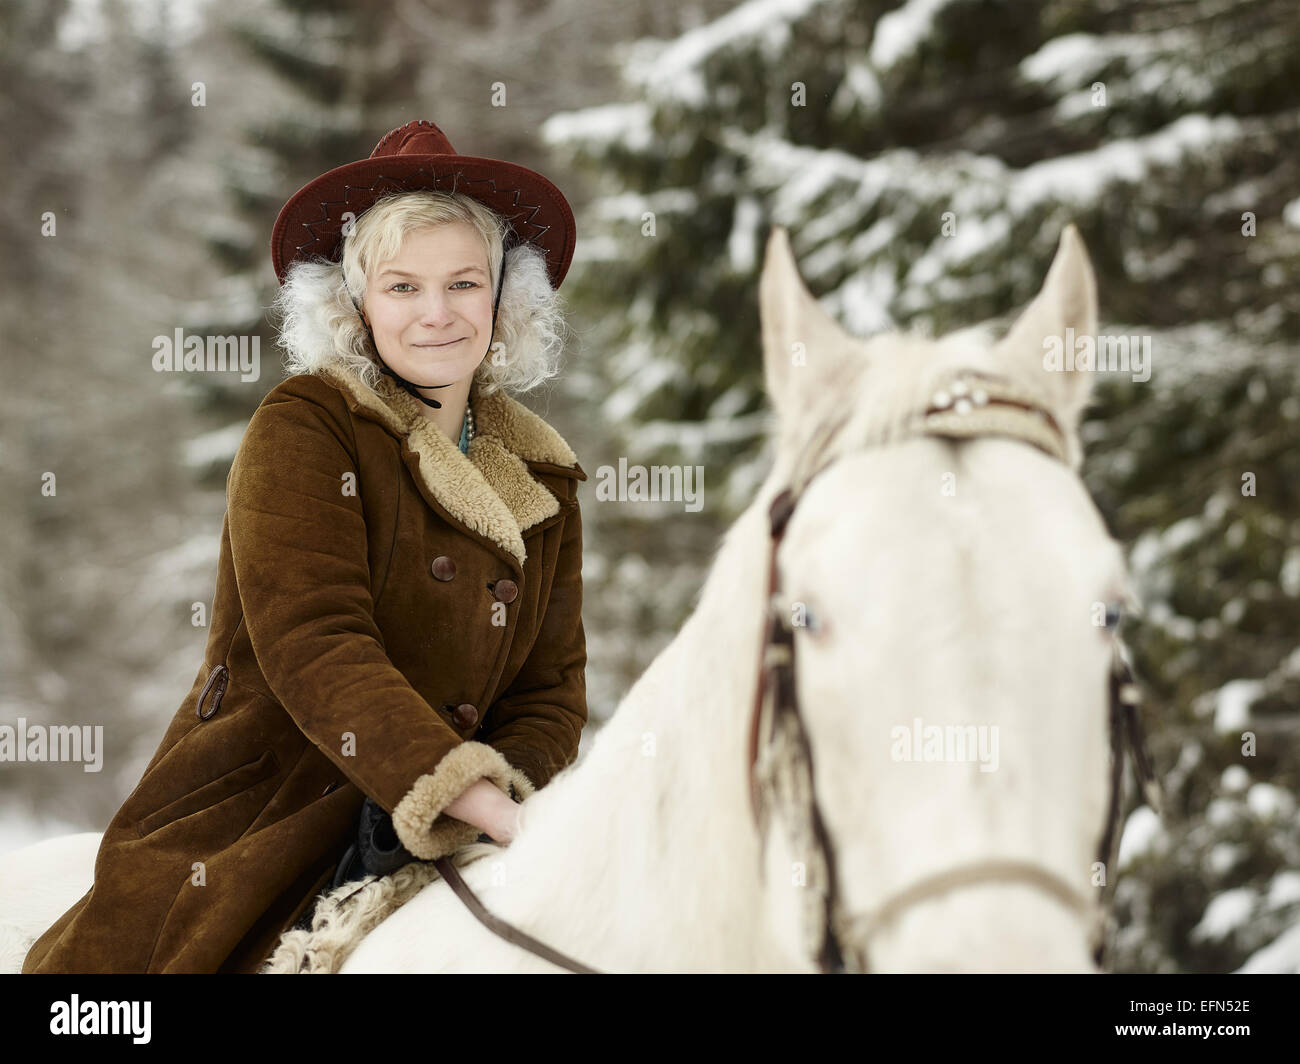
{"x": 810, "y": 621}
{"x": 1114, "y": 612}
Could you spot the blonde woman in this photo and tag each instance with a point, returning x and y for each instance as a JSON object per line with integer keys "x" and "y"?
{"x": 396, "y": 656}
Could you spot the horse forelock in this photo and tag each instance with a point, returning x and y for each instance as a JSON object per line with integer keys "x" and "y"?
{"x": 866, "y": 393}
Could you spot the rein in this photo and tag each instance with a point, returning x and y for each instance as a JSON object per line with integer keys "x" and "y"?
{"x": 501, "y": 927}
{"x": 779, "y": 755}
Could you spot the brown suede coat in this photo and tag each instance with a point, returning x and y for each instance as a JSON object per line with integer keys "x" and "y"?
{"x": 392, "y": 619}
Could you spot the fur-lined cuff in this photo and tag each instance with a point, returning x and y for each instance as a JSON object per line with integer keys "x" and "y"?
{"x": 419, "y": 821}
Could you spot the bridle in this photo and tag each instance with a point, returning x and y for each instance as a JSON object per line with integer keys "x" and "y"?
{"x": 779, "y": 756}
{"x": 779, "y": 761}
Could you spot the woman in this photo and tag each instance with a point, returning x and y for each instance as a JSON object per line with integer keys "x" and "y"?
{"x": 398, "y": 611}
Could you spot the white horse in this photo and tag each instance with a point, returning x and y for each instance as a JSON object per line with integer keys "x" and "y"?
{"x": 38, "y": 884}
{"x": 951, "y": 586}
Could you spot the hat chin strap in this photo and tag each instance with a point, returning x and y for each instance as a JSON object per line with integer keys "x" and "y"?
{"x": 408, "y": 385}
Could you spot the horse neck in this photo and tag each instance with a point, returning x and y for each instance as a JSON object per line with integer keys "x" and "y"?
{"x": 655, "y": 822}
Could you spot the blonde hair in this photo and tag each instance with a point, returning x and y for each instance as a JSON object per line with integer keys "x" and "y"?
{"x": 317, "y": 304}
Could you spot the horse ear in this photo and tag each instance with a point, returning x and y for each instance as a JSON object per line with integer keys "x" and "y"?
{"x": 799, "y": 337}
{"x": 1043, "y": 339}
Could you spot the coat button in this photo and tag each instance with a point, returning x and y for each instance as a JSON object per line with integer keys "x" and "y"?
{"x": 506, "y": 590}
{"x": 443, "y": 567}
{"x": 465, "y": 715}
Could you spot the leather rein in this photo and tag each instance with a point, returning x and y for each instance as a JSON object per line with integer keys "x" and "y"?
{"x": 779, "y": 756}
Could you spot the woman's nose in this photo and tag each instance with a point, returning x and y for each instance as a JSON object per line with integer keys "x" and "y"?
{"x": 435, "y": 311}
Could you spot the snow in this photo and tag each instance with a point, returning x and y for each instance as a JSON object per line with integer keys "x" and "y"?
{"x": 631, "y": 206}
{"x": 1216, "y": 507}
{"x": 1233, "y": 610}
{"x": 1145, "y": 552}
{"x": 695, "y": 437}
{"x": 1291, "y": 214}
{"x": 189, "y": 563}
{"x": 899, "y": 32}
{"x": 971, "y": 237}
{"x": 860, "y": 87}
{"x": 1268, "y": 802}
{"x": 1222, "y": 813}
{"x": 1082, "y": 177}
{"x": 1291, "y": 664}
{"x": 1223, "y": 856}
{"x": 1281, "y": 957}
{"x": 673, "y": 71}
{"x": 1181, "y": 533}
{"x": 742, "y": 244}
{"x": 1143, "y": 834}
{"x": 626, "y": 125}
{"x": 1284, "y": 890}
{"x": 1078, "y": 58}
{"x": 214, "y": 447}
{"x": 653, "y": 373}
{"x": 1066, "y": 61}
{"x": 861, "y": 303}
{"x": 1289, "y": 574}
{"x": 798, "y": 176}
{"x": 874, "y": 240}
{"x": 83, "y": 22}
{"x": 1232, "y": 704}
{"x": 1225, "y": 913}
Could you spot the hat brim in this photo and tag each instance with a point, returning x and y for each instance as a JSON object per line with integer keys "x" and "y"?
{"x": 311, "y": 222}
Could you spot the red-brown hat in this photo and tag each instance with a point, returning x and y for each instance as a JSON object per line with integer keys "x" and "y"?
{"x": 418, "y": 155}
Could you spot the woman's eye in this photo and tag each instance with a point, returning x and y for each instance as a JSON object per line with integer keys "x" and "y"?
{"x": 399, "y": 284}
{"x": 472, "y": 284}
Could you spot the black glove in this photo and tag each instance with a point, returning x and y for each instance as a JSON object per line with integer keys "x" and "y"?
{"x": 377, "y": 850}
{"x": 377, "y": 842}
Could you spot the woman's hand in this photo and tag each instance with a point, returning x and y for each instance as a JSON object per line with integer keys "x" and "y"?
{"x": 484, "y": 805}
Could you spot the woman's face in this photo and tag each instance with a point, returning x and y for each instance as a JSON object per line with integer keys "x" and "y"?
{"x": 430, "y": 307}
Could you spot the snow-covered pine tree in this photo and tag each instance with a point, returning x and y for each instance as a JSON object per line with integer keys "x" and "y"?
{"x": 331, "y": 72}
{"x": 925, "y": 156}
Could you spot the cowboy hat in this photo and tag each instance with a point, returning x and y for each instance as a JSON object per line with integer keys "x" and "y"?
{"x": 415, "y": 156}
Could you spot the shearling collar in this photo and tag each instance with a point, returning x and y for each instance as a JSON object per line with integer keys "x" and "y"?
{"x": 492, "y": 489}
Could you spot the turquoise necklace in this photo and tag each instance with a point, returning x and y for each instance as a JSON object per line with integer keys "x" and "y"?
{"x": 466, "y": 429}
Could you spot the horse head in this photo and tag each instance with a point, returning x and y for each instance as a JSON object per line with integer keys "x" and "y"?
{"x": 952, "y": 593}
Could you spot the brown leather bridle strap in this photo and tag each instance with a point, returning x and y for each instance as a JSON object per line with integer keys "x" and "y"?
{"x": 776, "y": 681}
{"x": 499, "y": 927}
{"x": 779, "y": 511}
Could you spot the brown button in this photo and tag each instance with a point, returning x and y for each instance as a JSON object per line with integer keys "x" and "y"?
{"x": 443, "y": 567}
{"x": 466, "y": 715}
{"x": 506, "y": 590}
